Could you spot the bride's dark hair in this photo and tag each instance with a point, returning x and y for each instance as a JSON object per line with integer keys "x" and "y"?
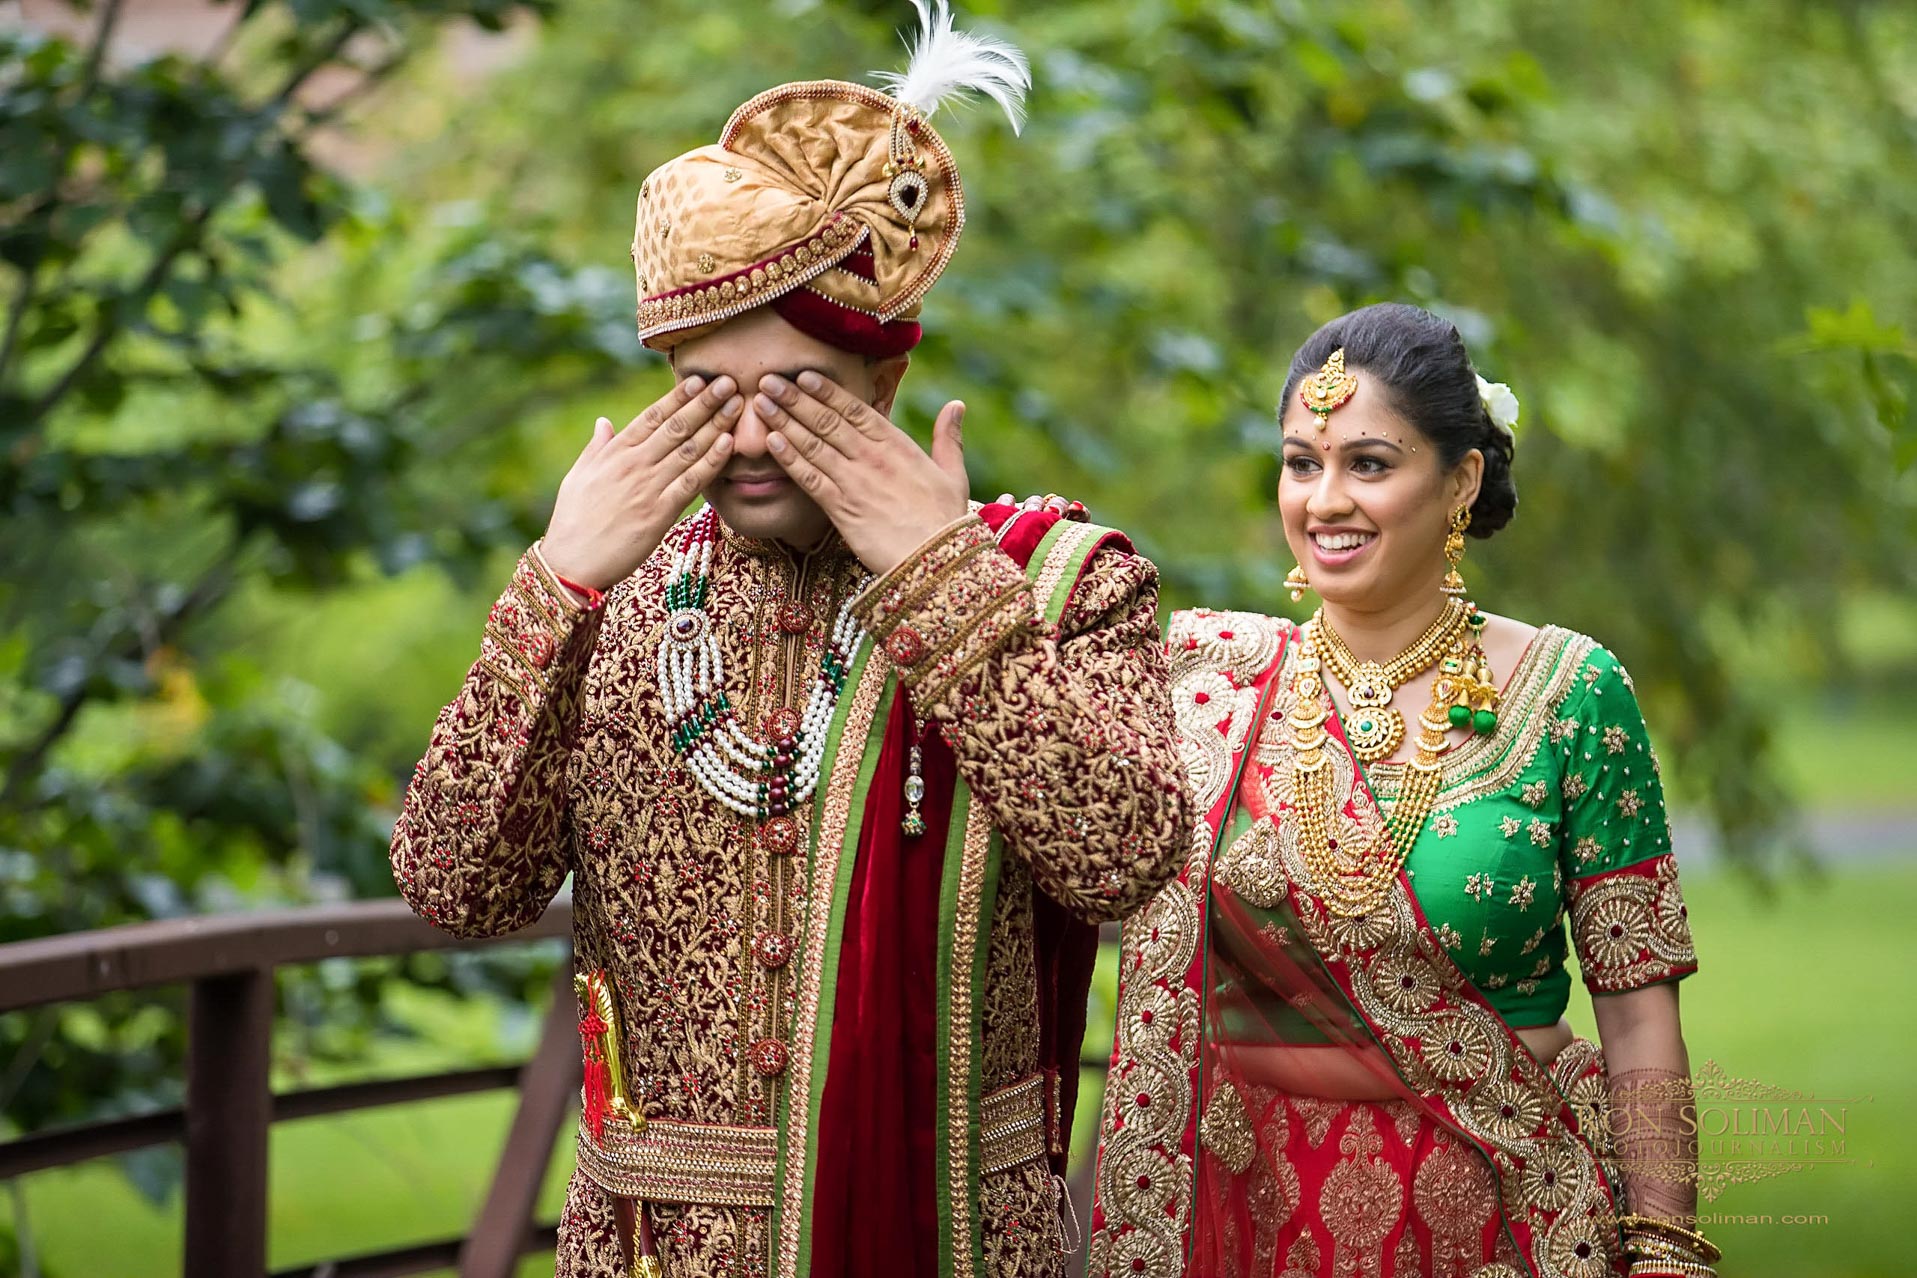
{"x": 1427, "y": 375}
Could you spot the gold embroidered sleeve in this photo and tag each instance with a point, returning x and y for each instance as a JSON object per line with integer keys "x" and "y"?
{"x": 1631, "y": 927}
{"x": 952, "y": 604}
{"x": 478, "y": 847}
{"x": 1064, "y": 733}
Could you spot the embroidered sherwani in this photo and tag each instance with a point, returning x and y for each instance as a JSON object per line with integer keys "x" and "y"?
{"x": 832, "y": 1027}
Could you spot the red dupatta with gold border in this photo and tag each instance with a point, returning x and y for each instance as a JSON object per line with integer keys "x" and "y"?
{"x": 894, "y": 1178}
{"x": 1382, "y": 987}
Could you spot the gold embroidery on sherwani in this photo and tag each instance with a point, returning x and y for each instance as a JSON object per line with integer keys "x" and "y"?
{"x": 1062, "y": 558}
{"x": 1010, "y": 1018}
{"x": 1019, "y": 1208}
{"x": 538, "y": 770}
{"x": 975, "y": 857}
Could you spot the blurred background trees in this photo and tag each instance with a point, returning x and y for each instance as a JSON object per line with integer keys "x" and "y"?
{"x": 300, "y": 330}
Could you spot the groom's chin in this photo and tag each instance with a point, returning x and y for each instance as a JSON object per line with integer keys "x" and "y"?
{"x": 776, "y": 511}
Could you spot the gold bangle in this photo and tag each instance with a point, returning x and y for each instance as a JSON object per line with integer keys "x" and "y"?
{"x": 1661, "y": 1250}
{"x": 1647, "y": 1263}
{"x": 1670, "y": 1269}
{"x": 1707, "y": 1251}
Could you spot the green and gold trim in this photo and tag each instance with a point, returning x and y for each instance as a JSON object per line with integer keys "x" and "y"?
{"x": 968, "y": 899}
{"x": 834, "y": 847}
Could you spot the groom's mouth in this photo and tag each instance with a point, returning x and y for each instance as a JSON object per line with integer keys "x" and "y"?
{"x": 759, "y": 485}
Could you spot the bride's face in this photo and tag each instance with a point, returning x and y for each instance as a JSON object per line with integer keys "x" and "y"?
{"x": 1367, "y": 501}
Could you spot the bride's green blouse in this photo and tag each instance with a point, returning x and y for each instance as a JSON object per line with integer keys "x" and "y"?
{"x": 1558, "y": 815}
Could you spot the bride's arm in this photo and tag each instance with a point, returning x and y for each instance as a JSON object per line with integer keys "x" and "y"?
{"x": 1653, "y": 1112}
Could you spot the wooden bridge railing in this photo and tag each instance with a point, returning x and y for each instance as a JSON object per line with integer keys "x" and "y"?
{"x": 227, "y": 963}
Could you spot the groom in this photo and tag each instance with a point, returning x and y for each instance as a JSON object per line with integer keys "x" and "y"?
{"x": 844, "y": 770}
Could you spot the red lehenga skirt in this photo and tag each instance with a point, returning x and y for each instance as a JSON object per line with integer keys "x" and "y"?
{"x": 1302, "y": 1187}
{"x": 1371, "y": 1188}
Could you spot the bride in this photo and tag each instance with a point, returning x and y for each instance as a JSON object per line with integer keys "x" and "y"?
{"x": 1341, "y": 1043}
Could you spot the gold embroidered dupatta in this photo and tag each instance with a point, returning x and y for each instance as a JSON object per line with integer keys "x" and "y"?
{"x": 1241, "y": 933}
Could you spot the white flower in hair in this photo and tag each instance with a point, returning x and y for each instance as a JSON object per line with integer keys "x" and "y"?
{"x": 1501, "y": 405}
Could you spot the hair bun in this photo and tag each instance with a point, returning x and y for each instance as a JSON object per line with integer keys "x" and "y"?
{"x": 1497, "y": 491}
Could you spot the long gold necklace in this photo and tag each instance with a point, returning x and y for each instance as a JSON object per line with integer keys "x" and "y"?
{"x": 1355, "y": 882}
{"x": 1375, "y": 729}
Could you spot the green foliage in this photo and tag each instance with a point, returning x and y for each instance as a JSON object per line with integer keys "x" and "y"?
{"x": 268, "y": 432}
{"x": 172, "y": 445}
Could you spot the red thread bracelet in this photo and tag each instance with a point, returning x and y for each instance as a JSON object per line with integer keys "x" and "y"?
{"x": 593, "y": 597}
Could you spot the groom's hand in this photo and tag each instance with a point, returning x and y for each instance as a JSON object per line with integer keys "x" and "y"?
{"x": 629, "y": 486}
{"x": 881, "y": 490}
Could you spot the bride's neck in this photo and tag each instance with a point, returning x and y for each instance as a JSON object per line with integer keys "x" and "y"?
{"x": 1382, "y": 633}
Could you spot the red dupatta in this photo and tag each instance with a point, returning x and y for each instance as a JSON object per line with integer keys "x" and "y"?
{"x": 873, "y": 1201}
{"x": 1200, "y": 965}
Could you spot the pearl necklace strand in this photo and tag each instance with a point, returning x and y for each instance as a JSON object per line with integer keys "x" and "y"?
{"x": 753, "y": 778}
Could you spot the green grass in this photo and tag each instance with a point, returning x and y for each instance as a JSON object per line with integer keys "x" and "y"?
{"x": 339, "y": 1186}
{"x": 1851, "y": 758}
{"x": 1796, "y": 993}
{"x": 1802, "y": 993}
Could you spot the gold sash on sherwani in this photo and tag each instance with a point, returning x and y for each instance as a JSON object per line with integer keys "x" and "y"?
{"x": 1382, "y": 986}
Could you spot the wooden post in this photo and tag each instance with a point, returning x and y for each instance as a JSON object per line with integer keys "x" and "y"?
{"x": 547, "y": 1089}
{"x": 229, "y": 1110}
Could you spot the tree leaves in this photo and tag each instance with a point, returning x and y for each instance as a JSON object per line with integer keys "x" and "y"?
{"x": 158, "y": 462}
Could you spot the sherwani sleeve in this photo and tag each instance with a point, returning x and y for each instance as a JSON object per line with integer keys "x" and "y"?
{"x": 1064, "y": 732}
{"x": 478, "y": 849}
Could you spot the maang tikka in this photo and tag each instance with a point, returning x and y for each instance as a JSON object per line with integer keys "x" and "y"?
{"x": 1328, "y": 388}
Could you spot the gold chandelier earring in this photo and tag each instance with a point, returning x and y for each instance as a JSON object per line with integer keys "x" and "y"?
{"x": 1296, "y": 583}
{"x": 1454, "y": 552}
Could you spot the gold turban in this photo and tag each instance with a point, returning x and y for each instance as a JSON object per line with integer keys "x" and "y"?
{"x": 833, "y": 202}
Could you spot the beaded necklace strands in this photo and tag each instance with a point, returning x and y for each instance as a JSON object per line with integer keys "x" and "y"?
{"x": 754, "y": 778}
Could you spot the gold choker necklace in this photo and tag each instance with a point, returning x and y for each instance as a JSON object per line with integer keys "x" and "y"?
{"x": 1374, "y": 728}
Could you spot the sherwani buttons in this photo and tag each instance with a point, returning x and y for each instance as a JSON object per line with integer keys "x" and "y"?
{"x": 905, "y": 646}
{"x": 780, "y": 835}
{"x": 768, "y": 1057}
{"x": 795, "y": 617}
{"x": 538, "y": 649}
{"x": 772, "y": 949}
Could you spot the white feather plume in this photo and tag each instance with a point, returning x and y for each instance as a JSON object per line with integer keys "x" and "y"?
{"x": 946, "y": 63}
